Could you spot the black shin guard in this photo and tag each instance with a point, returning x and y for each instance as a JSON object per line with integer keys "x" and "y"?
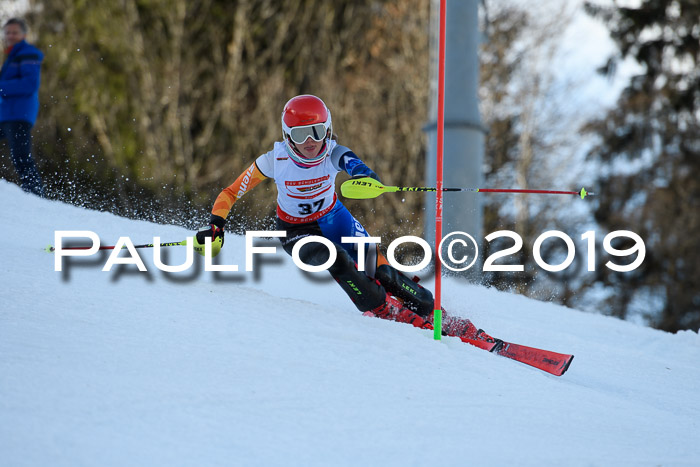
{"x": 365, "y": 293}
{"x": 416, "y": 298}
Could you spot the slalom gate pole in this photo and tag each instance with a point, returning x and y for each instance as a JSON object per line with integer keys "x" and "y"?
{"x": 437, "y": 313}
{"x": 51, "y": 249}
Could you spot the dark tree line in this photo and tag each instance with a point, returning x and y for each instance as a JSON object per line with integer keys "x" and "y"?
{"x": 649, "y": 151}
{"x": 646, "y": 161}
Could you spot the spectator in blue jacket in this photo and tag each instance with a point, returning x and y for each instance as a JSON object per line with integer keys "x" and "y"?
{"x": 19, "y": 101}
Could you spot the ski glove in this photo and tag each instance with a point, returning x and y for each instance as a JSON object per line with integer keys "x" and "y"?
{"x": 355, "y": 167}
{"x": 210, "y": 231}
{"x": 215, "y": 231}
{"x": 368, "y": 173}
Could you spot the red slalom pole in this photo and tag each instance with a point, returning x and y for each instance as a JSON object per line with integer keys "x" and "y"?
{"x": 581, "y": 193}
{"x": 437, "y": 313}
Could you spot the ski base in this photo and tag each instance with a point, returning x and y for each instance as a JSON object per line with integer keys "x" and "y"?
{"x": 545, "y": 360}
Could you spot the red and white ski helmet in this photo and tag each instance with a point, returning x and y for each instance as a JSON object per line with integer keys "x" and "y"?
{"x": 303, "y": 117}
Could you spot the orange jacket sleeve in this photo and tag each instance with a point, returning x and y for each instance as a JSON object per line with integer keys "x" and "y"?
{"x": 229, "y": 195}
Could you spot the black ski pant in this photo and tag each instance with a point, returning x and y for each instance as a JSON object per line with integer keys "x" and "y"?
{"x": 365, "y": 292}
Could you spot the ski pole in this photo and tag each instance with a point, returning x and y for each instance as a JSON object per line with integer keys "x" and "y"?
{"x": 365, "y": 188}
{"x": 51, "y": 249}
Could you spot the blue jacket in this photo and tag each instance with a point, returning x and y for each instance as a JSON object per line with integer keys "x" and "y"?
{"x": 19, "y": 84}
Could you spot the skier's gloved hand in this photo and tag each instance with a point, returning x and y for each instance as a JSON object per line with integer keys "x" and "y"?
{"x": 355, "y": 167}
{"x": 215, "y": 231}
{"x": 212, "y": 231}
{"x": 366, "y": 173}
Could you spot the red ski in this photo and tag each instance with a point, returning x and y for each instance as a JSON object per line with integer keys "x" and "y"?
{"x": 454, "y": 326}
{"x": 545, "y": 360}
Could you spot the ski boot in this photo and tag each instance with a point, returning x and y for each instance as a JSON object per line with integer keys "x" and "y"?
{"x": 456, "y": 326}
{"x": 413, "y": 296}
{"x": 394, "y": 310}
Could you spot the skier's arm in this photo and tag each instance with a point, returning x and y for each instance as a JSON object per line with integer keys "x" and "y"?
{"x": 229, "y": 195}
{"x": 346, "y": 160}
{"x": 222, "y": 206}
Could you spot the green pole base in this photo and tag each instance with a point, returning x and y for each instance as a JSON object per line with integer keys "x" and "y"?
{"x": 437, "y": 324}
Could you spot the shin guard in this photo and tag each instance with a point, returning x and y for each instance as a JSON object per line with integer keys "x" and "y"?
{"x": 414, "y": 296}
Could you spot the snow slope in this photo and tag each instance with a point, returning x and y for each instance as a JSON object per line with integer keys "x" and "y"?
{"x": 278, "y": 368}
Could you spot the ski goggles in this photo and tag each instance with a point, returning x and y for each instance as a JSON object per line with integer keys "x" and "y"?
{"x": 299, "y": 134}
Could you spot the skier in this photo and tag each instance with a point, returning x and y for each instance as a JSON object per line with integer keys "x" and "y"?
{"x": 304, "y": 166}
